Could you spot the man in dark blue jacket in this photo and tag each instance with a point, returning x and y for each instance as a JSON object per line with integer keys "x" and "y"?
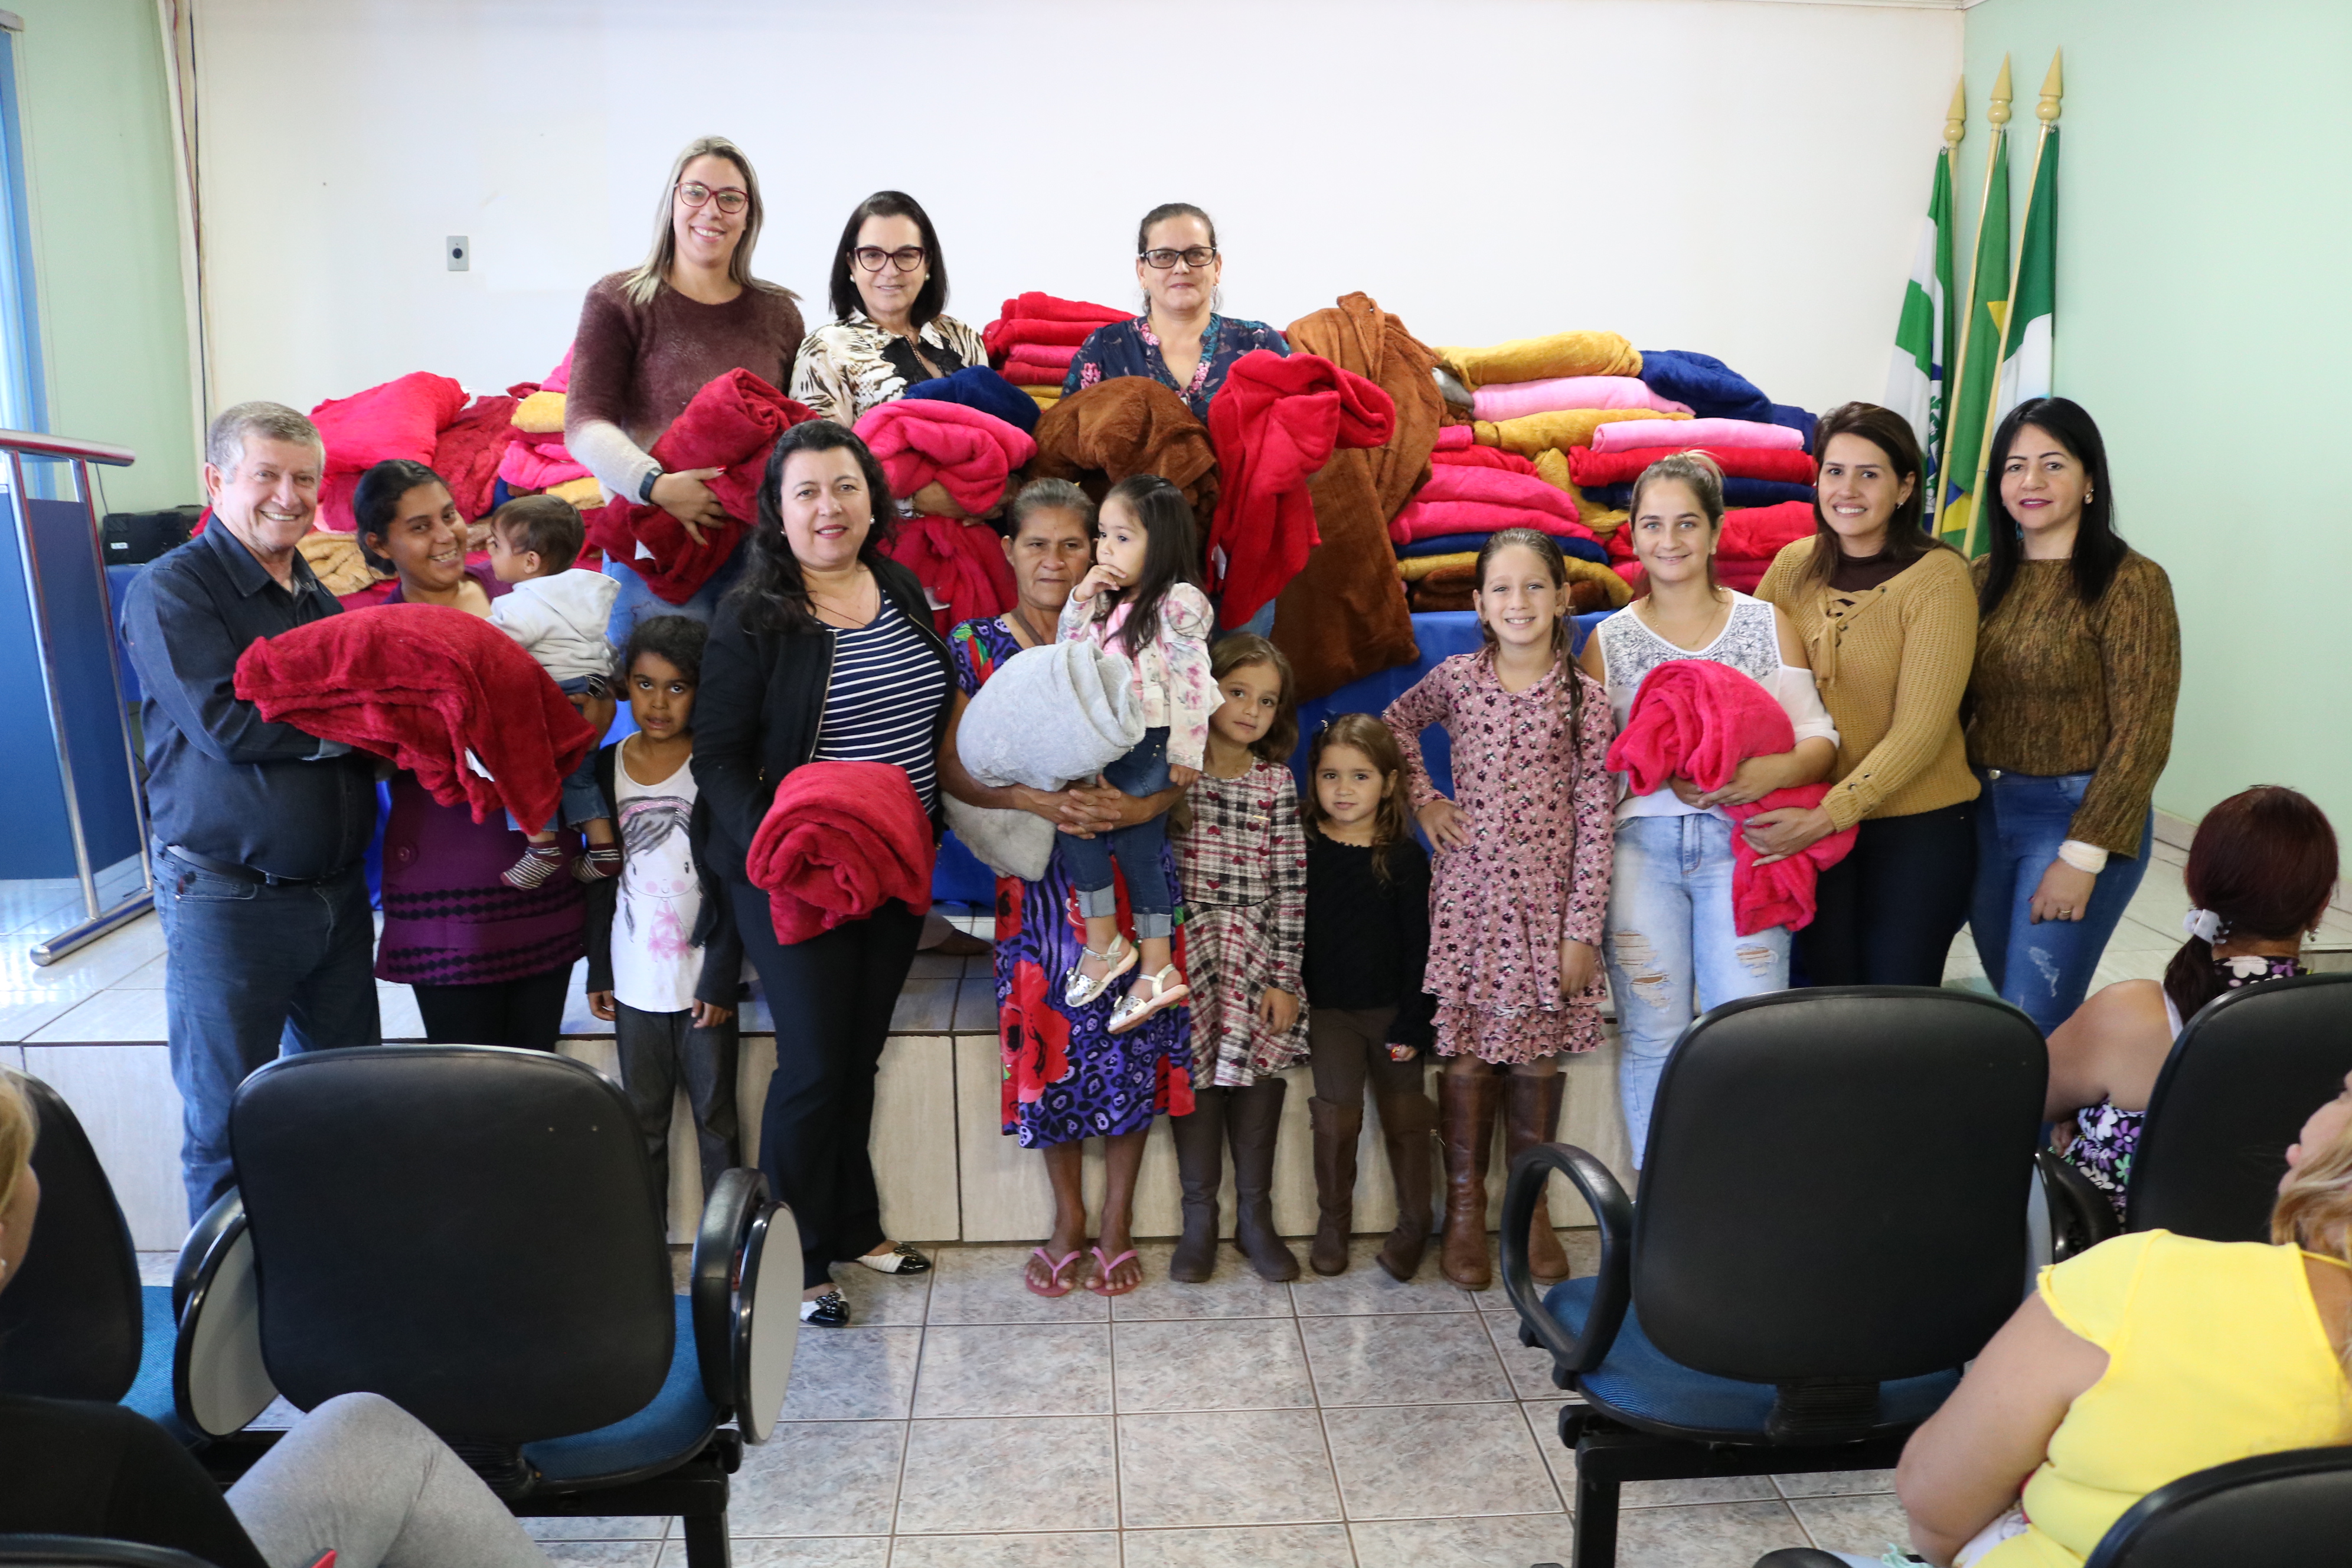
{"x": 260, "y": 830}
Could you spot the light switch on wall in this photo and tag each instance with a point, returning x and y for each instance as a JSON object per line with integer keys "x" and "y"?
{"x": 460, "y": 252}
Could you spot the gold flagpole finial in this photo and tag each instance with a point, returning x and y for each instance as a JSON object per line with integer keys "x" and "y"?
{"x": 1999, "y": 110}
{"x": 1955, "y": 119}
{"x": 2053, "y": 88}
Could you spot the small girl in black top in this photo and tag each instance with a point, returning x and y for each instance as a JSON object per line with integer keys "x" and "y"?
{"x": 1366, "y": 943}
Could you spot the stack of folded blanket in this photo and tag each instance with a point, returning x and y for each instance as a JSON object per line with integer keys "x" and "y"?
{"x": 949, "y": 463}
{"x": 1035, "y": 338}
{"x": 1436, "y": 582}
{"x": 538, "y": 459}
{"x": 1474, "y": 491}
{"x": 1763, "y": 465}
{"x": 1713, "y": 389}
{"x": 1752, "y": 537}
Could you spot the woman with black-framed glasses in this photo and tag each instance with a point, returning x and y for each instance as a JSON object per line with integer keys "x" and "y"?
{"x": 1180, "y": 340}
{"x": 651, "y": 338}
{"x": 888, "y": 285}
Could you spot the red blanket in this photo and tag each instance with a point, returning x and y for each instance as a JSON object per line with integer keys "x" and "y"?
{"x": 1042, "y": 357}
{"x": 1496, "y": 486}
{"x": 1455, "y": 437}
{"x": 971, "y": 454}
{"x": 1422, "y": 519}
{"x": 962, "y": 567}
{"x": 402, "y": 418}
{"x": 1700, "y": 720}
{"x": 1036, "y": 317}
{"x": 840, "y": 839}
{"x": 1274, "y": 426}
{"x": 1587, "y": 467}
{"x": 1020, "y": 375}
{"x": 469, "y": 451}
{"x": 1483, "y": 457}
{"x": 1749, "y": 533}
{"x": 425, "y": 685}
{"x": 729, "y": 424}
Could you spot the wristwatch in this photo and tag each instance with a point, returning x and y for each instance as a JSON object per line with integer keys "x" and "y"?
{"x": 645, "y": 490}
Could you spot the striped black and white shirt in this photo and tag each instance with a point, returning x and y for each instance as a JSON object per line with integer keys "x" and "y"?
{"x": 886, "y": 691}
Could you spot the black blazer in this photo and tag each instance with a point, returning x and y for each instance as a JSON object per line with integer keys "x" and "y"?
{"x": 721, "y": 980}
{"x": 763, "y": 696}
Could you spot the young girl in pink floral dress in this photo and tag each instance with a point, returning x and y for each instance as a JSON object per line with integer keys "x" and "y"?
{"x": 1521, "y": 881}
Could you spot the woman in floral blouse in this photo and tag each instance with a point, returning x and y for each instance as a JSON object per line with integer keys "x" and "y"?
{"x": 1180, "y": 340}
{"x": 888, "y": 292}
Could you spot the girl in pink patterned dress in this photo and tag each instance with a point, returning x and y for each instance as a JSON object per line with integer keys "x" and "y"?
{"x": 1243, "y": 859}
{"x": 1521, "y": 881}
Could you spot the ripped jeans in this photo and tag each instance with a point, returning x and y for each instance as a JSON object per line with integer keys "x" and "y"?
{"x": 2045, "y": 969}
{"x": 1672, "y": 951}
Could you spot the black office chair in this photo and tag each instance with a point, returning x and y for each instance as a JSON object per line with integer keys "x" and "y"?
{"x": 472, "y": 1232}
{"x": 75, "y": 1323}
{"x": 1830, "y": 1226}
{"x": 88, "y": 1552}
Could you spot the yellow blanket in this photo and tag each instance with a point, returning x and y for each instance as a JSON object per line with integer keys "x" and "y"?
{"x": 1420, "y": 566}
{"x": 1551, "y": 468}
{"x": 1539, "y": 359}
{"x": 1601, "y": 520}
{"x": 582, "y": 493}
{"x": 335, "y": 559}
{"x": 1538, "y": 433}
{"x": 540, "y": 414}
{"x": 1620, "y": 592}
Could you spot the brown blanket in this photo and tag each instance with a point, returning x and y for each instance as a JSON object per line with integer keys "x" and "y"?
{"x": 1344, "y": 616}
{"x": 1128, "y": 425}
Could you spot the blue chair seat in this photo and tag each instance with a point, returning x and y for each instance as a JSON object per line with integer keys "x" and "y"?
{"x": 151, "y": 1393}
{"x": 1636, "y": 1383}
{"x": 680, "y": 1421}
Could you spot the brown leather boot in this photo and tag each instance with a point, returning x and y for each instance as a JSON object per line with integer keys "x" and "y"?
{"x": 1335, "y": 1130}
{"x": 1407, "y": 1120}
{"x": 1534, "y": 1117}
{"x": 1200, "y": 1171}
{"x": 1252, "y": 1117}
{"x": 1466, "y": 1108}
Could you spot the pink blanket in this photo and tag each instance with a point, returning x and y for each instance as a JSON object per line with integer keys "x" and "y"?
{"x": 1683, "y": 434}
{"x": 971, "y": 455}
{"x": 1453, "y": 437}
{"x": 1497, "y": 487}
{"x": 539, "y": 464}
{"x": 1051, "y": 356}
{"x": 1510, "y": 399}
{"x": 1436, "y": 518}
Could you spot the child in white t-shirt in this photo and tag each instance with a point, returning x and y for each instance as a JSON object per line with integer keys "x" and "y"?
{"x": 664, "y": 960}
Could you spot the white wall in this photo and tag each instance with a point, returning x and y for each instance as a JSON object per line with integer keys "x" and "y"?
{"x": 1740, "y": 178}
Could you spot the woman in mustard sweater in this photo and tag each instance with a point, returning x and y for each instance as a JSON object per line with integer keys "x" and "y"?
{"x": 2146, "y": 1359}
{"x": 1890, "y": 620}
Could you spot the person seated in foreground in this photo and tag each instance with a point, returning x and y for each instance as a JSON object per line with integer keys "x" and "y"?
{"x": 2146, "y": 1359}
{"x": 2261, "y": 871}
{"x": 358, "y": 1476}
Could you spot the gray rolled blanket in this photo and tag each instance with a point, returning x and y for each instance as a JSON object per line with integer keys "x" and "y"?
{"x": 1048, "y": 715}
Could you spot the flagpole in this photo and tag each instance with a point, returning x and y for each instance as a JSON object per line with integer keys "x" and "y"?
{"x": 1996, "y": 112}
{"x": 1956, "y": 127}
{"x": 2052, "y": 91}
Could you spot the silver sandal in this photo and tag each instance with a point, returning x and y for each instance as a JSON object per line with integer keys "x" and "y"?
{"x": 1167, "y": 988}
{"x": 1078, "y": 990}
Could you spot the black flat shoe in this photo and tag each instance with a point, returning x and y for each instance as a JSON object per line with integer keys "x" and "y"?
{"x": 900, "y": 1259}
{"x": 830, "y": 1310}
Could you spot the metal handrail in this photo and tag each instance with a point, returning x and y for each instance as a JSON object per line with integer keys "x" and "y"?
{"x": 19, "y": 445}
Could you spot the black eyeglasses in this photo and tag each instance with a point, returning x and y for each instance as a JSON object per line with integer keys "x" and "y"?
{"x": 1194, "y": 256}
{"x": 694, "y": 193}
{"x": 871, "y": 256}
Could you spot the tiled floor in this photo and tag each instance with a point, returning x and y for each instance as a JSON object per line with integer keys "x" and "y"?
{"x": 964, "y": 1423}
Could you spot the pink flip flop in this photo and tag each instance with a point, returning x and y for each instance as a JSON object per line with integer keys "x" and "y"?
{"x": 1056, "y": 1288}
{"x": 1108, "y": 1265}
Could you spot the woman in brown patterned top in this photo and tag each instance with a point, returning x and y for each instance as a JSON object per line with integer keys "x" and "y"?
{"x": 2078, "y": 666}
{"x": 651, "y": 338}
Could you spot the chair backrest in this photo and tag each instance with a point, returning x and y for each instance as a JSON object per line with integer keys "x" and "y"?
{"x": 2250, "y": 1069}
{"x": 1835, "y": 1185}
{"x": 70, "y": 1322}
{"x": 470, "y": 1231}
{"x": 2273, "y": 1511}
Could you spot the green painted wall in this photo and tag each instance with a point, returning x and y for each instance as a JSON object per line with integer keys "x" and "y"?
{"x": 98, "y": 145}
{"x": 2203, "y": 319}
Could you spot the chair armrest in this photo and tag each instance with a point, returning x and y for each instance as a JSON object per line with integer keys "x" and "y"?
{"x": 1614, "y": 1214}
{"x": 219, "y": 1381}
{"x": 736, "y": 1198}
{"x": 89, "y": 1552}
{"x": 2080, "y": 1215}
{"x": 226, "y": 1215}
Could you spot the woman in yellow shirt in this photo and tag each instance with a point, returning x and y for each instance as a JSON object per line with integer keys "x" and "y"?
{"x": 2147, "y": 1358}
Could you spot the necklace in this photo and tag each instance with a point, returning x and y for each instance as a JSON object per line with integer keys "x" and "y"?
{"x": 1028, "y": 628}
{"x": 854, "y": 613}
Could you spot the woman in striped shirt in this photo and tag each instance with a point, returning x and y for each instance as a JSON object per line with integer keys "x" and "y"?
{"x": 825, "y": 652}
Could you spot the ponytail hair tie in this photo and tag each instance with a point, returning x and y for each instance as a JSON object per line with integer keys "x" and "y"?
{"x": 2204, "y": 925}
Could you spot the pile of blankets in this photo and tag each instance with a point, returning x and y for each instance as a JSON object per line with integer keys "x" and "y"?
{"x": 949, "y": 463}
{"x": 426, "y": 419}
{"x": 536, "y": 460}
{"x": 445, "y": 695}
{"x": 1700, "y": 720}
{"x": 1035, "y": 338}
{"x": 839, "y": 841}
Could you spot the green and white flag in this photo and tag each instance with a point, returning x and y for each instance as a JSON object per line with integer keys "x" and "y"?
{"x": 1923, "y": 338}
{"x": 1979, "y": 351}
{"x": 2025, "y": 346}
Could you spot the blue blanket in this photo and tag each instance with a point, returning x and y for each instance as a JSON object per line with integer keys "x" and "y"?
{"x": 1789, "y": 416}
{"x": 1712, "y": 388}
{"x": 1455, "y": 543}
{"x": 1736, "y": 491}
{"x": 977, "y": 386}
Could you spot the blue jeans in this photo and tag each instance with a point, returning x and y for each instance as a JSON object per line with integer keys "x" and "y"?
{"x": 255, "y": 970}
{"x": 583, "y": 800}
{"x": 2047, "y": 968}
{"x": 1673, "y": 951}
{"x": 1142, "y": 771}
{"x": 637, "y": 603}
